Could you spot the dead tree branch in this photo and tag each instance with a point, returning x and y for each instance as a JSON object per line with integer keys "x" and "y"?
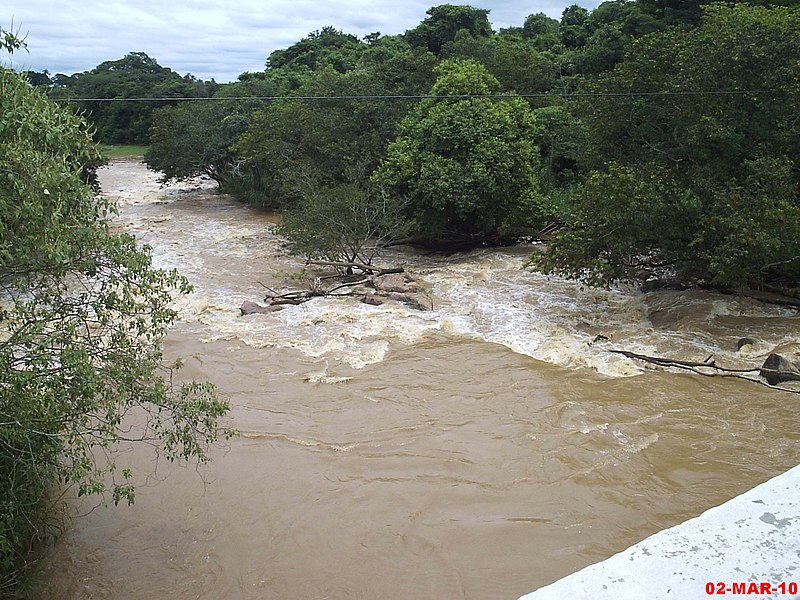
{"x": 708, "y": 368}
{"x": 376, "y": 271}
{"x": 403, "y": 290}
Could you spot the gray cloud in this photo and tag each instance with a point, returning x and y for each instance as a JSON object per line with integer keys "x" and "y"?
{"x": 211, "y": 38}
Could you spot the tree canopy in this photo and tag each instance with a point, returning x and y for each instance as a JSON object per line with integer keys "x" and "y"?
{"x": 466, "y": 165}
{"x": 703, "y": 185}
{"x": 445, "y": 21}
{"x": 651, "y": 132}
{"x": 136, "y": 75}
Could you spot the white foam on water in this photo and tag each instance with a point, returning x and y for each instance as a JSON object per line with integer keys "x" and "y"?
{"x": 357, "y": 333}
{"x": 135, "y": 185}
{"x": 485, "y": 295}
{"x": 549, "y": 319}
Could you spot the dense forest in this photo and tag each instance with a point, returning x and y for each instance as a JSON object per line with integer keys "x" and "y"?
{"x": 655, "y": 139}
{"x": 648, "y": 140}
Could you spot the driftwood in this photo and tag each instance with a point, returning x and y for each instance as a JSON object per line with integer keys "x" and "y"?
{"x": 396, "y": 287}
{"x": 372, "y": 270}
{"x": 772, "y": 370}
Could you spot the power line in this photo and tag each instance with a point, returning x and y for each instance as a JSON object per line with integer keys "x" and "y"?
{"x": 429, "y": 96}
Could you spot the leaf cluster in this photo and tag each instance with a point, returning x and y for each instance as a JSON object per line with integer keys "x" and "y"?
{"x": 344, "y": 223}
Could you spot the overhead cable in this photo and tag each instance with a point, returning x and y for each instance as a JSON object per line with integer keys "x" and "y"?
{"x": 428, "y": 96}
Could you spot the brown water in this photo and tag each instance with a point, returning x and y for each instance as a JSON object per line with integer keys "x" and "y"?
{"x": 479, "y": 450}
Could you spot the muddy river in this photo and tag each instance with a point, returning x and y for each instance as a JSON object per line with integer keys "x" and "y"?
{"x": 481, "y": 449}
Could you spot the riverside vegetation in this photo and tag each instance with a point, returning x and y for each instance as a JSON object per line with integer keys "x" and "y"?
{"x": 660, "y": 137}
{"x": 82, "y": 312}
{"x": 652, "y": 140}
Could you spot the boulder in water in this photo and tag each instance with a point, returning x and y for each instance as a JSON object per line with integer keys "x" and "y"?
{"x": 371, "y": 300}
{"x": 395, "y": 282}
{"x": 409, "y": 300}
{"x": 776, "y": 369}
{"x": 745, "y": 341}
{"x": 251, "y": 308}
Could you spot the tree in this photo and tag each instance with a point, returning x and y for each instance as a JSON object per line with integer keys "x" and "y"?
{"x": 344, "y": 223}
{"x": 543, "y": 31}
{"x": 600, "y": 39}
{"x": 81, "y": 315}
{"x": 573, "y": 26}
{"x": 516, "y": 64}
{"x": 467, "y": 165}
{"x": 39, "y": 79}
{"x": 625, "y": 224}
{"x": 714, "y": 133}
{"x": 444, "y": 22}
{"x": 194, "y": 138}
{"x": 328, "y": 47}
{"x": 294, "y": 145}
{"x": 136, "y": 75}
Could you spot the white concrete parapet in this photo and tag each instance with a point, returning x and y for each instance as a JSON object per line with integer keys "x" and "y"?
{"x": 747, "y": 547}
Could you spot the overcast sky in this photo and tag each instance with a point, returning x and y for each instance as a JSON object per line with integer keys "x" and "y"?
{"x": 212, "y": 38}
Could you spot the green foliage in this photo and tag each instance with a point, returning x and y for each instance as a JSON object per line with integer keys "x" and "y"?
{"x": 81, "y": 315}
{"x": 136, "y": 75}
{"x": 516, "y": 64}
{"x": 736, "y": 49}
{"x": 727, "y": 162}
{"x": 564, "y": 143}
{"x": 543, "y": 31}
{"x": 624, "y": 224}
{"x": 193, "y": 139}
{"x": 328, "y": 47}
{"x": 39, "y": 79}
{"x": 749, "y": 235}
{"x": 467, "y": 166}
{"x": 10, "y": 40}
{"x": 444, "y": 22}
{"x": 573, "y": 26}
{"x": 598, "y": 40}
{"x": 294, "y": 145}
{"x": 344, "y": 222}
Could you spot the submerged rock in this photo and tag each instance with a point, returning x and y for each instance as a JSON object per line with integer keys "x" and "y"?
{"x": 745, "y": 341}
{"x": 251, "y": 308}
{"x": 371, "y": 300}
{"x": 409, "y": 300}
{"x": 776, "y": 369}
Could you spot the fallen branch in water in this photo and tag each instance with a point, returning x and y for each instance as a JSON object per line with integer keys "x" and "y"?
{"x": 376, "y": 271}
{"x": 396, "y": 287}
{"x": 710, "y": 368}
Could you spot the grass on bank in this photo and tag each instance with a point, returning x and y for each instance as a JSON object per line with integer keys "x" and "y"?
{"x": 112, "y": 151}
